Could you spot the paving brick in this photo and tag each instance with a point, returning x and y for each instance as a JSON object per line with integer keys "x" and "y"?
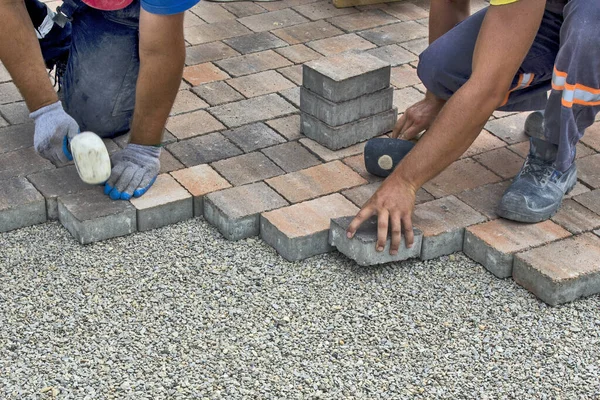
{"x": 297, "y": 54}
{"x": 253, "y": 110}
{"x": 3, "y": 122}
{"x": 493, "y": 244}
{"x": 203, "y": 73}
{"x": 365, "y": 20}
{"x": 91, "y": 216}
{"x": 292, "y": 95}
{"x": 404, "y": 76}
{"x": 289, "y": 126}
{"x": 260, "y": 84}
{"x": 576, "y": 218}
{"x": 592, "y": 136}
{"x": 244, "y": 9}
{"x": 522, "y": 149}
{"x": 322, "y": 10}
{"x": 591, "y": 200}
{"x": 395, "y": 33}
{"x": 461, "y": 175}
{"x": 301, "y": 231}
{"x": 577, "y": 190}
{"x": 340, "y": 44}
{"x": 273, "y": 19}
{"x": 253, "y": 63}
{"x": 509, "y": 129}
{"x": 328, "y": 155}
{"x": 199, "y": 181}
{"x": 484, "y": 142}
{"x": 404, "y": 98}
{"x": 279, "y": 5}
{"x": 443, "y": 224}
{"x": 291, "y": 156}
{"x": 216, "y": 31}
{"x": 165, "y": 203}
{"x": 416, "y": 46}
{"x": 293, "y": 73}
{"x": 4, "y": 75}
{"x": 22, "y": 162}
{"x": 357, "y": 163}
{"x": 9, "y": 93}
{"x": 361, "y": 194}
{"x": 253, "y": 137}
{"x": 187, "y": 101}
{"x": 168, "y": 162}
{"x": 236, "y": 211}
{"x": 212, "y": 12}
{"x": 393, "y": 54}
{"x": 216, "y": 93}
{"x": 193, "y": 124}
{"x": 20, "y": 205}
{"x": 247, "y": 168}
{"x": 308, "y": 32}
{"x": 203, "y": 149}
{"x": 191, "y": 19}
{"x": 122, "y": 140}
{"x": 588, "y": 170}
{"x": 562, "y": 271}
{"x": 485, "y": 198}
{"x": 57, "y": 182}
{"x": 337, "y": 137}
{"x": 16, "y": 137}
{"x": 361, "y": 248}
{"x": 15, "y": 113}
{"x": 502, "y": 162}
{"x": 406, "y": 11}
{"x": 346, "y": 76}
{"x": 335, "y": 114}
{"x": 208, "y": 52}
{"x": 315, "y": 181}
{"x": 255, "y": 42}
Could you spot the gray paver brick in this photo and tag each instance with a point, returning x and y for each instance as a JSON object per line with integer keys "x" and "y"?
{"x": 256, "y": 109}
{"x": 15, "y": 113}
{"x": 208, "y": 52}
{"x": 253, "y": 137}
{"x": 255, "y": 42}
{"x": 193, "y": 124}
{"x": 253, "y": 63}
{"x": 322, "y": 10}
{"x": 298, "y": 53}
{"x": 16, "y": 137}
{"x": 335, "y": 114}
{"x": 393, "y": 54}
{"x": 267, "y": 21}
{"x": 395, "y": 33}
{"x": 20, "y": 205}
{"x": 361, "y": 248}
{"x": 203, "y": 149}
{"x": 292, "y": 95}
{"x": 236, "y": 211}
{"x": 301, "y": 231}
{"x": 338, "y": 137}
{"x": 22, "y": 163}
{"x": 289, "y": 126}
{"x": 307, "y": 32}
{"x": 576, "y": 218}
{"x": 291, "y": 156}
{"x": 247, "y": 168}
{"x": 341, "y": 44}
{"x": 509, "y": 129}
{"x": 216, "y": 93}
{"x": 165, "y": 203}
{"x": 91, "y": 216}
{"x": 9, "y": 93}
{"x": 562, "y": 271}
{"x": 346, "y": 76}
{"x": 215, "y": 31}
{"x": 485, "y": 198}
{"x": 243, "y": 9}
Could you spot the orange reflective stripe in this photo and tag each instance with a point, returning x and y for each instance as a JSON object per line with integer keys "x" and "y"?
{"x": 524, "y": 81}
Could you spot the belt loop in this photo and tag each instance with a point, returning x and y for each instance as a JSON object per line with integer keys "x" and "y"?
{"x": 64, "y": 12}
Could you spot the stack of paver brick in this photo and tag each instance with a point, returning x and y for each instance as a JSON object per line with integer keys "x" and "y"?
{"x": 346, "y": 99}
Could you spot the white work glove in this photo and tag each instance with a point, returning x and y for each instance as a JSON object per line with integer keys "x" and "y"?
{"x": 53, "y": 130}
{"x": 134, "y": 170}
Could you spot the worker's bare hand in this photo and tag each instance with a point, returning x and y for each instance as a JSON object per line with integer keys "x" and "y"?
{"x": 418, "y": 117}
{"x": 393, "y": 203}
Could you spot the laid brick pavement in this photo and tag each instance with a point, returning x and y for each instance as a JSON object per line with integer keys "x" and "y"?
{"x": 234, "y": 152}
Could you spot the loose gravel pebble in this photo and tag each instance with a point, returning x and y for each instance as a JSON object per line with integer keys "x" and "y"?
{"x": 181, "y": 313}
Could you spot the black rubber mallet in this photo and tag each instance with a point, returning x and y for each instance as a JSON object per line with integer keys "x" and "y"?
{"x": 383, "y": 154}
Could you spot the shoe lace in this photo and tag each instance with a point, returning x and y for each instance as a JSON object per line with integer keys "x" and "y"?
{"x": 538, "y": 169}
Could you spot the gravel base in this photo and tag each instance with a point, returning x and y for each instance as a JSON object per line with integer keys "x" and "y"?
{"x": 181, "y": 313}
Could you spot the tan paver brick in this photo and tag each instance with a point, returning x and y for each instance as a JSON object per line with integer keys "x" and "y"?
{"x": 193, "y": 124}
{"x": 22, "y": 163}
{"x": 298, "y": 53}
{"x": 509, "y": 129}
{"x": 404, "y": 76}
{"x": 4, "y": 75}
{"x": 308, "y": 32}
{"x": 330, "y": 155}
{"x": 588, "y": 170}
{"x": 281, "y": 4}
{"x": 168, "y": 162}
{"x": 406, "y": 11}
{"x": 212, "y": 12}
{"x": 577, "y": 190}
{"x": 9, "y": 93}
{"x": 340, "y": 44}
{"x": 395, "y": 33}
{"x": 293, "y": 73}
{"x": 252, "y": 110}
{"x": 200, "y": 180}
{"x": 404, "y": 98}
{"x": 244, "y": 9}
{"x": 485, "y": 198}
{"x": 590, "y": 200}
{"x": 592, "y": 136}
{"x": 393, "y": 54}
{"x": 315, "y": 181}
{"x": 215, "y": 31}
{"x": 217, "y": 93}
{"x": 484, "y": 142}
{"x": 361, "y": 194}
{"x": 292, "y": 95}
{"x": 291, "y": 156}
{"x": 576, "y": 218}
{"x": 461, "y": 175}
{"x": 260, "y": 84}
{"x": 522, "y": 149}
{"x": 322, "y": 10}
{"x": 301, "y": 230}
{"x": 364, "y": 20}
{"x": 208, "y": 52}
{"x": 203, "y": 149}
{"x": 561, "y": 271}
{"x": 272, "y": 20}
{"x": 289, "y": 127}
{"x": 493, "y": 244}
{"x": 502, "y": 162}
{"x": 187, "y": 101}
{"x": 357, "y": 163}
{"x": 253, "y": 63}
{"x": 247, "y": 168}
{"x": 203, "y": 73}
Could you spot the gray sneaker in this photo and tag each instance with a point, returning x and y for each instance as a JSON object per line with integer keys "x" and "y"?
{"x": 538, "y": 189}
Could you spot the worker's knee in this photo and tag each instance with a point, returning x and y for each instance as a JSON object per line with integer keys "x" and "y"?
{"x": 435, "y": 70}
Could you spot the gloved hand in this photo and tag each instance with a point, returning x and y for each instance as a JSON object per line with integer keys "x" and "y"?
{"x": 53, "y": 128}
{"x": 134, "y": 170}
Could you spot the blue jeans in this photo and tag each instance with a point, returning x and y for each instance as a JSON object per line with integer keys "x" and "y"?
{"x": 99, "y": 81}
{"x": 564, "y": 57}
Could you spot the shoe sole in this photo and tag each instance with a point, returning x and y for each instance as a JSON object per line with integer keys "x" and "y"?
{"x": 91, "y": 158}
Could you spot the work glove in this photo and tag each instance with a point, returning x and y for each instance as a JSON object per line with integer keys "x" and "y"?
{"x": 134, "y": 170}
{"x": 53, "y": 130}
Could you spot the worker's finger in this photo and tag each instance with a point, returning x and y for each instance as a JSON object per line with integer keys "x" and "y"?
{"x": 412, "y": 131}
{"x": 363, "y": 215}
{"x": 407, "y": 227}
{"x": 383, "y": 217}
{"x": 409, "y": 123}
{"x": 398, "y": 127}
{"x": 395, "y": 229}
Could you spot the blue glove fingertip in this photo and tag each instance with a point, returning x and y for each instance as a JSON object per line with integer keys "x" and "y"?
{"x": 141, "y": 191}
{"x": 115, "y": 194}
{"x": 66, "y": 150}
{"x": 125, "y": 196}
{"x": 107, "y": 189}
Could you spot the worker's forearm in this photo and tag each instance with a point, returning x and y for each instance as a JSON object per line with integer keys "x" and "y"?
{"x": 454, "y": 130}
{"x": 21, "y": 55}
{"x": 444, "y": 15}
